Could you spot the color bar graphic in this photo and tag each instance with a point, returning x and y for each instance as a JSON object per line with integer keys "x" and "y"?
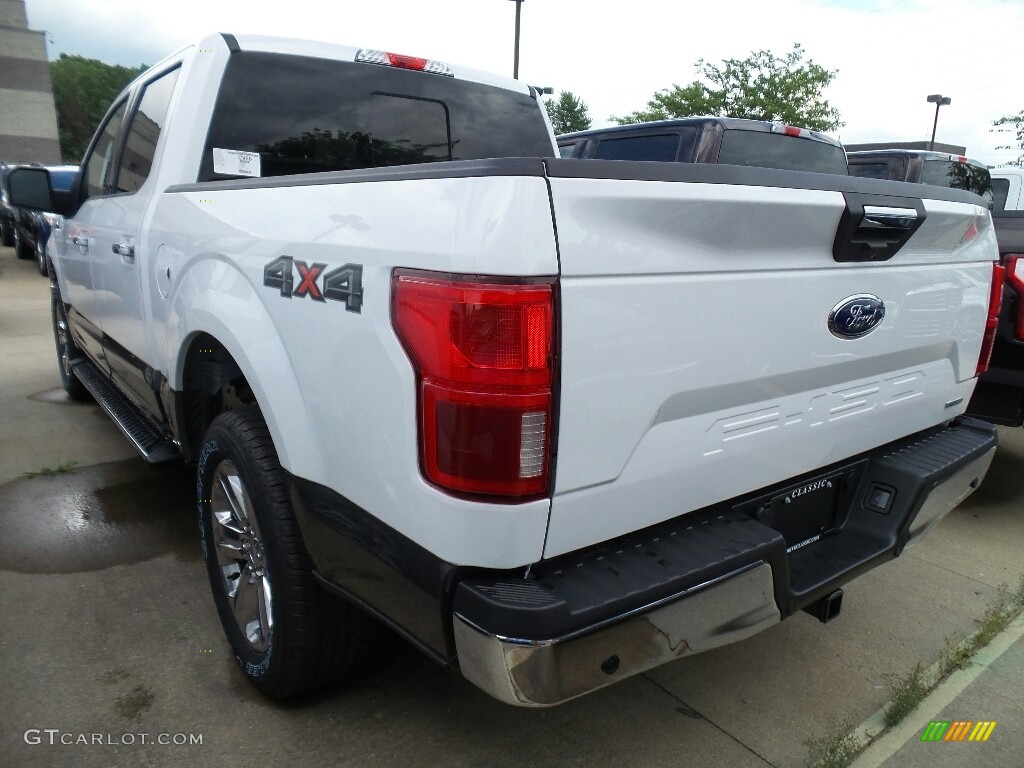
{"x": 958, "y": 730}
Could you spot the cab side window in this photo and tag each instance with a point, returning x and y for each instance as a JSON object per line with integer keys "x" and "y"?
{"x": 100, "y": 162}
{"x": 144, "y": 132}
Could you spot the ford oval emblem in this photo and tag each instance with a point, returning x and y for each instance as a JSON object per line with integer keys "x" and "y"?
{"x": 856, "y": 316}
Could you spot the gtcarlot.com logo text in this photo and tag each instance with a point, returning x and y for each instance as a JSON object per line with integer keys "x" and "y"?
{"x": 55, "y": 737}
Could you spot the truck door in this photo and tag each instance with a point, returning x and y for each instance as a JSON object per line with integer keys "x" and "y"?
{"x": 118, "y": 255}
{"x": 76, "y": 249}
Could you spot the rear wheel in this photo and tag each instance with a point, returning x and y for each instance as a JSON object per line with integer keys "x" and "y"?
{"x": 67, "y": 351}
{"x": 21, "y": 249}
{"x": 288, "y": 635}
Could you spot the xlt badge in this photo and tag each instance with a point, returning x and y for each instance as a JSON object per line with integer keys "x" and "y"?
{"x": 856, "y": 316}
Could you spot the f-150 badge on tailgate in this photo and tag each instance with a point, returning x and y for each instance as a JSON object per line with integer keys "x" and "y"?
{"x": 856, "y": 316}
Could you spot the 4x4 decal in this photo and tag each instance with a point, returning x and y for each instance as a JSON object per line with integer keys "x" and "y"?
{"x": 345, "y": 283}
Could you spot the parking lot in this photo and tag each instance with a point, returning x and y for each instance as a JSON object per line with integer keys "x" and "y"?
{"x": 109, "y": 628}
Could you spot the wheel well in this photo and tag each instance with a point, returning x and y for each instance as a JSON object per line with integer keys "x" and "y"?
{"x": 211, "y": 384}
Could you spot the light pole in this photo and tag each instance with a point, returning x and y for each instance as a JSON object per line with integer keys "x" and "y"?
{"x": 515, "y": 64}
{"x": 939, "y": 101}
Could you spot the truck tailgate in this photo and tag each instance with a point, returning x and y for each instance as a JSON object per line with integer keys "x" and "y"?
{"x": 697, "y": 360}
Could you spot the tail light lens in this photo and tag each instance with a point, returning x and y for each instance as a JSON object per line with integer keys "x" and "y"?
{"x": 1015, "y": 277}
{"x": 992, "y": 322}
{"x": 483, "y": 353}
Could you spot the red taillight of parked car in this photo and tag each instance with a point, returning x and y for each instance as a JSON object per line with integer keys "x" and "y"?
{"x": 995, "y": 300}
{"x": 483, "y": 351}
{"x": 1015, "y": 279}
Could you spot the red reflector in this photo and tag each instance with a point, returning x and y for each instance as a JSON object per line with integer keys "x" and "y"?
{"x": 992, "y": 321}
{"x": 1015, "y": 277}
{"x": 406, "y": 62}
{"x": 483, "y": 354}
{"x": 791, "y": 130}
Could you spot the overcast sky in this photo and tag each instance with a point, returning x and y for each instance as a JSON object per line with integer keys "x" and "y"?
{"x": 890, "y": 53}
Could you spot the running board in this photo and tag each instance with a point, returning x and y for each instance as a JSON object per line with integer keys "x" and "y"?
{"x": 148, "y": 440}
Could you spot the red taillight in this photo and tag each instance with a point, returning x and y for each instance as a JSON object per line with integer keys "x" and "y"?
{"x": 992, "y": 322}
{"x": 1015, "y": 277}
{"x": 792, "y": 130}
{"x": 483, "y": 355}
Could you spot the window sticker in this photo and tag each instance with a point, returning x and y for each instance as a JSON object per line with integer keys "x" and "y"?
{"x": 234, "y": 163}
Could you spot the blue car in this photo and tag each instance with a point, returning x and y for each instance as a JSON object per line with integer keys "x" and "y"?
{"x": 32, "y": 229}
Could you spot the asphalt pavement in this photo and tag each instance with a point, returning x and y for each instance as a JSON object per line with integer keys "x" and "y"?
{"x": 110, "y": 645}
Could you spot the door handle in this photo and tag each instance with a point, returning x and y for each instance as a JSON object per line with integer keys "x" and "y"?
{"x": 82, "y": 242}
{"x": 125, "y": 250}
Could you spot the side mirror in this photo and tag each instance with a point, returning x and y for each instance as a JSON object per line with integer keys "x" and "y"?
{"x": 31, "y": 188}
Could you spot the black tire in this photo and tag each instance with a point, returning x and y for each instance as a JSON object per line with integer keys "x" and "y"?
{"x": 21, "y": 249}
{"x": 309, "y": 639}
{"x": 67, "y": 351}
{"x": 6, "y": 235}
{"x": 41, "y": 258}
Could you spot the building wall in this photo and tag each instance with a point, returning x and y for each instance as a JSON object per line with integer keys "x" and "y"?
{"x": 28, "y": 119}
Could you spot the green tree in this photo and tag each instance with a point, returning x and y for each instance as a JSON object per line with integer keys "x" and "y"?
{"x": 83, "y": 90}
{"x": 568, "y": 113}
{"x": 763, "y": 86}
{"x": 1013, "y": 125}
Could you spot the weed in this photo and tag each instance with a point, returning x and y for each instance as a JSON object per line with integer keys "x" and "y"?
{"x": 66, "y": 468}
{"x": 837, "y": 748}
{"x": 907, "y": 692}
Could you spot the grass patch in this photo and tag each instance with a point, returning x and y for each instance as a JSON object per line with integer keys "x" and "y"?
{"x": 837, "y": 748}
{"x": 840, "y": 745}
{"x": 907, "y": 692}
{"x": 997, "y": 617}
{"x": 67, "y": 468}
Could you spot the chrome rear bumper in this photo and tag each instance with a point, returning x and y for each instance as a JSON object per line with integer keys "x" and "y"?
{"x": 543, "y": 673}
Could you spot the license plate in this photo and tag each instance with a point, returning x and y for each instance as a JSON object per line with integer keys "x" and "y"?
{"x": 803, "y": 512}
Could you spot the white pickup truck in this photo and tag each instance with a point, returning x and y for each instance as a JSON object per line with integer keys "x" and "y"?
{"x": 554, "y": 421}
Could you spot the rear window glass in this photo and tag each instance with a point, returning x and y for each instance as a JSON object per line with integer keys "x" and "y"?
{"x": 661, "y": 147}
{"x": 879, "y": 170}
{"x": 1000, "y": 191}
{"x": 946, "y": 173}
{"x": 566, "y": 150}
{"x": 308, "y": 115}
{"x": 777, "y": 150}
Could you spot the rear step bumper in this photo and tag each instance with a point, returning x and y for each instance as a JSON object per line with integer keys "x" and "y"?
{"x": 710, "y": 578}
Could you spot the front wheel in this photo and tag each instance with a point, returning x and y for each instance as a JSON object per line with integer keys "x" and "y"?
{"x": 289, "y": 636}
{"x": 41, "y": 258}
{"x": 67, "y": 351}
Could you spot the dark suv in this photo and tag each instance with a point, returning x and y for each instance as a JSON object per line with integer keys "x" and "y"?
{"x": 728, "y": 140}
{"x": 937, "y": 168}
{"x": 7, "y": 211}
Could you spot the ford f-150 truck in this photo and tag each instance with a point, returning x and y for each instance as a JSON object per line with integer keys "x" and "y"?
{"x": 554, "y": 421}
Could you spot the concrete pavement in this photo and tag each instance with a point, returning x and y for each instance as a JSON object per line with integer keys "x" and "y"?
{"x": 109, "y": 629}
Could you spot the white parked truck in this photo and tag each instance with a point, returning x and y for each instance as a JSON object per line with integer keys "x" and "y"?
{"x": 554, "y": 421}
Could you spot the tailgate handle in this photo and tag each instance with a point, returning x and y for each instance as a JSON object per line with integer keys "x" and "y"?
{"x": 875, "y": 227}
{"x": 897, "y": 218}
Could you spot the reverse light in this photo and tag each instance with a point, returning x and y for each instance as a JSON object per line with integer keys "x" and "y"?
{"x": 369, "y": 56}
{"x": 483, "y": 354}
{"x": 992, "y": 321}
{"x": 1015, "y": 277}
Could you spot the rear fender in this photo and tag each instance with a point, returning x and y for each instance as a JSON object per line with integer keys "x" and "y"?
{"x": 213, "y": 296}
